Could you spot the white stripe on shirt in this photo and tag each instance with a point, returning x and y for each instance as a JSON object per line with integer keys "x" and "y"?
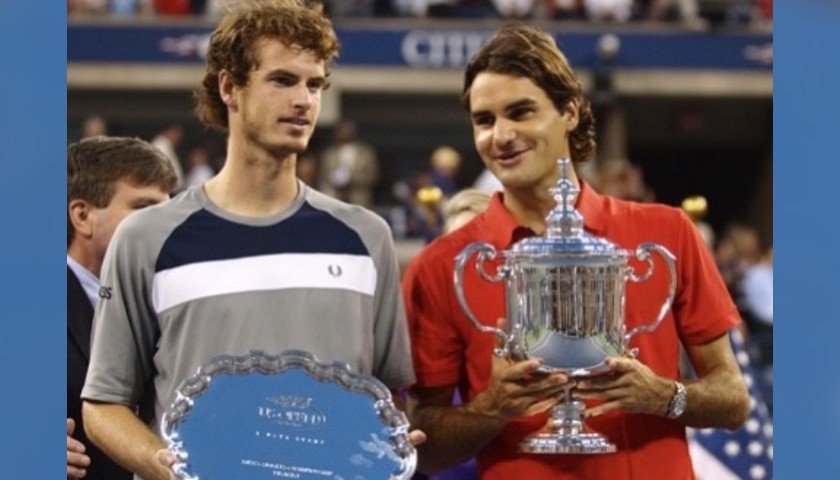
{"x": 266, "y": 272}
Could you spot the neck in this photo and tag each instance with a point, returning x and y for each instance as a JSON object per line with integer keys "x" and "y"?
{"x": 531, "y": 205}
{"x": 254, "y": 182}
{"x": 84, "y": 257}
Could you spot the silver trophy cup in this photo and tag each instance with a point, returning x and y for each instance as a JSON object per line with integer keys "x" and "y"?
{"x": 565, "y": 294}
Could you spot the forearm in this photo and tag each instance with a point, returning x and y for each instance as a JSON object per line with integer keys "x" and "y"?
{"x": 719, "y": 399}
{"x": 454, "y": 435}
{"x": 117, "y": 431}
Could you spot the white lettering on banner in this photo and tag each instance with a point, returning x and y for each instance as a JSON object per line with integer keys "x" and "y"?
{"x": 441, "y": 48}
{"x": 761, "y": 54}
{"x": 186, "y": 45}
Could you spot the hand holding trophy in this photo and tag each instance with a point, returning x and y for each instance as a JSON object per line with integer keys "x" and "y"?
{"x": 565, "y": 296}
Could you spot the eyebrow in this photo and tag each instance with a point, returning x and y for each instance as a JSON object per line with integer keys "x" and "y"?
{"x": 287, "y": 73}
{"x": 525, "y": 102}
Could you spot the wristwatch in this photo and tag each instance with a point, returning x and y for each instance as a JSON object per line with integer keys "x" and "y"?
{"x": 676, "y": 406}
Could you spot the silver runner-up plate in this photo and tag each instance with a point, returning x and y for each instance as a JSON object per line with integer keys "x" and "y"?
{"x": 263, "y": 416}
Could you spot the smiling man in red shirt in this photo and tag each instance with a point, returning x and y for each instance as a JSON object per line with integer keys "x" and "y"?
{"x": 527, "y": 110}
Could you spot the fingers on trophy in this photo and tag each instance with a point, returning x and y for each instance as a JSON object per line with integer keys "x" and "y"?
{"x": 565, "y": 297}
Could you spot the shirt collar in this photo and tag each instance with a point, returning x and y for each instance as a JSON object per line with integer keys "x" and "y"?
{"x": 89, "y": 281}
{"x": 502, "y": 229}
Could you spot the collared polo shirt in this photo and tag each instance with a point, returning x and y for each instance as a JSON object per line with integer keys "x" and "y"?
{"x": 449, "y": 351}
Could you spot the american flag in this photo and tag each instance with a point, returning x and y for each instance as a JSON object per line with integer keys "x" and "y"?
{"x": 746, "y": 453}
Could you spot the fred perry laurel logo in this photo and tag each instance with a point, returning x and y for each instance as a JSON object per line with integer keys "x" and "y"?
{"x": 105, "y": 292}
{"x": 335, "y": 270}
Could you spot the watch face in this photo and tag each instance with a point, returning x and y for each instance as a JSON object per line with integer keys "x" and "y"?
{"x": 679, "y": 405}
{"x": 678, "y": 402}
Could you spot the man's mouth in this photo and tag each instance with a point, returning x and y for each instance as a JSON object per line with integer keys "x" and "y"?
{"x": 509, "y": 158}
{"x": 297, "y": 121}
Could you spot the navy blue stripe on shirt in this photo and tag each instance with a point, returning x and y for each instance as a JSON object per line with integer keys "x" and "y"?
{"x": 204, "y": 236}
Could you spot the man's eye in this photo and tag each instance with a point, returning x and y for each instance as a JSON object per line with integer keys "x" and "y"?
{"x": 316, "y": 86}
{"x": 520, "y": 112}
{"x": 482, "y": 120}
{"x": 285, "y": 81}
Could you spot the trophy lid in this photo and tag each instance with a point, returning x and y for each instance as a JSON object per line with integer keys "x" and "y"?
{"x": 564, "y": 234}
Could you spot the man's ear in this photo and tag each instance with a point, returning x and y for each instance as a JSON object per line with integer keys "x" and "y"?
{"x": 226, "y": 88}
{"x": 571, "y": 114}
{"x": 79, "y": 212}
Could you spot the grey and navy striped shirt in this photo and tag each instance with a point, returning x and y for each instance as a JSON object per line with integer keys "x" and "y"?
{"x": 185, "y": 281}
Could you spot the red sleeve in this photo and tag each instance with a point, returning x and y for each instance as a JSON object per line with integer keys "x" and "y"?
{"x": 703, "y": 306}
{"x": 437, "y": 348}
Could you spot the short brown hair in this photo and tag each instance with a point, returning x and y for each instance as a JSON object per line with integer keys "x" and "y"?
{"x": 524, "y": 51}
{"x": 96, "y": 164}
{"x": 293, "y": 22}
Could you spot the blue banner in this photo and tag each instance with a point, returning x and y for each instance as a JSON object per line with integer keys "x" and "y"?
{"x": 436, "y": 48}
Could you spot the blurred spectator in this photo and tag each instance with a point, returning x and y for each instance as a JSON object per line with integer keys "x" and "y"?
{"x": 87, "y": 7}
{"x": 307, "y": 169}
{"x": 757, "y": 289}
{"x": 487, "y": 182}
{"x": 766, "y": 9}
{"x": 174, "y": 7}
{"x": 463, "y": 207}
{"x": 445, "y": 163}
{"x": 349, "y": 167}
{"x": 349, "y": 8}
{"x": 622, "y": 179}
{"x": 382, "y": 8}
{"x": 618, "y": 11}
{"x": 124, "y": 8}
{"x": 696, "y": 207}
{"x": 199, "y": 170}
{"x": 427, "y": 8}
{"x": 514, "y": 9}
{"x": 685, "y": 11}
{"x": 94, "y": 126}
{"x": 736, "y": 249}
{"x": 588, "y": 171}
{"x": 168, "y": 140}
{"x": 562, "y": 9}
{"x": 215, "y": 8}
{"x": 757, "y": 310}
{"x": 693, "y": 13}
{"x": 419, "y": 213}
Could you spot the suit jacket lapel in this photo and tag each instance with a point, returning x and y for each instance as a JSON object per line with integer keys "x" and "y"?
{"x": 79, "y": 314}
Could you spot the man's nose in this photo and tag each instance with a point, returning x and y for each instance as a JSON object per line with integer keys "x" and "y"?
{"x": 503, "y": 132}
{"x": 303, "y": 97}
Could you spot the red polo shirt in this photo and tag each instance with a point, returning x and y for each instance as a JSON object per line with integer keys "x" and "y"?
{"x": 448, "y": 350}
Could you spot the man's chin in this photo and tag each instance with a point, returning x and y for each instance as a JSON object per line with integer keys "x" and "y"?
{"x": 515, "y": 182}
{"x": 289, "y": 148}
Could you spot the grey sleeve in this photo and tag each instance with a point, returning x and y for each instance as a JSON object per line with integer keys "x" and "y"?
{"x": 125, "y": 325}
{"x": 392, "y": 355}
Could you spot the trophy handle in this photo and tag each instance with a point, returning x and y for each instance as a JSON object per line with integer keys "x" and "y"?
{"x": 643, "y": 253}
{"x": 485, "y": 252}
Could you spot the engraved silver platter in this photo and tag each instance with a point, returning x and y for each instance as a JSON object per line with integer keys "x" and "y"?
{"x": 261, "y": 416}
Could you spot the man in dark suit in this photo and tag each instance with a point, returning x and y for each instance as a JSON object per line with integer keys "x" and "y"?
{"x": 107, "y": 178}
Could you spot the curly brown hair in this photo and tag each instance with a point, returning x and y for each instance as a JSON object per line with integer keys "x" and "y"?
{"x": 293, "y": 22}
{"x": 524, "y": 51}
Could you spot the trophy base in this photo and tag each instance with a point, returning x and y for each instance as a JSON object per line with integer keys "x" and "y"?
{"x": 551, "y": 442}
{"x": 566, "y": 433}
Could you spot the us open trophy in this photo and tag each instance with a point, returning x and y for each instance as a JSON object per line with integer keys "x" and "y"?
{"x": 565, "y": 294}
